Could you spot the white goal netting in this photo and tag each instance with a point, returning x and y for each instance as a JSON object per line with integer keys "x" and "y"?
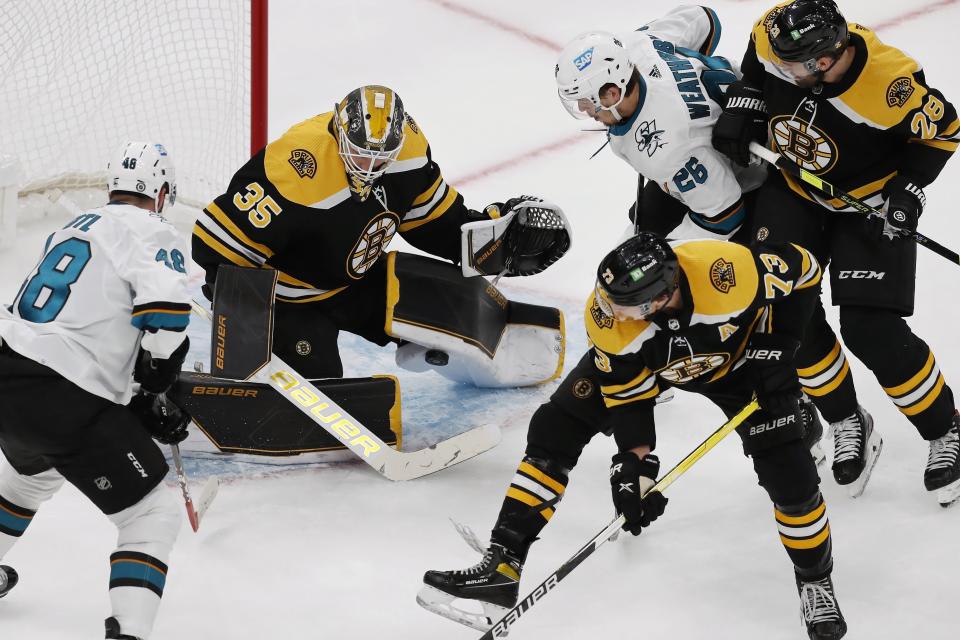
{"x": 81, "y": 76}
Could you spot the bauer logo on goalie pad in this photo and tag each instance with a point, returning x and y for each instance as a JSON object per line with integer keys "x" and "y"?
{"x": 303, "y": 163}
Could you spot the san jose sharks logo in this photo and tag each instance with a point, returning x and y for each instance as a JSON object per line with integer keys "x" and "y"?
{"x": 649, "y": 137}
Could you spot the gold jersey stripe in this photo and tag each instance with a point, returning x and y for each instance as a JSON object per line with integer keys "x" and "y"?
{"x": 541, "y": 477}
{"x": 224, "y": 221}
{"x": 221, "y": 248}
{"x": 438, "y": 211}
{"x": 317, "y": 298}
{"x": 913, "y": 382}
{"x": 806, "y": 518}
{"x": 943, "y": 145}
{"x": 609, "y": 390}
{"x": 808, "y": 543}
{"x": 426, "y": 195}
{"x": 647, "y": 395}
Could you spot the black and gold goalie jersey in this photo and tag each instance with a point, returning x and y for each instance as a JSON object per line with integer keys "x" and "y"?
{"x": 729, "y": 292}
{"x": 290, "y": 208}
{"x": 881, "y": 119}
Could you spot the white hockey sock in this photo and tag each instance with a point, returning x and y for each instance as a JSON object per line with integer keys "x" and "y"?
{"x": 20, "y": 497}
{"x": 138, "y": 568}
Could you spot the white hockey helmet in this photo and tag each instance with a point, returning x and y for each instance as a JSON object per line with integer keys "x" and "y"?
{"x": 142, "y": 168}
{"x": 587, "y": 64}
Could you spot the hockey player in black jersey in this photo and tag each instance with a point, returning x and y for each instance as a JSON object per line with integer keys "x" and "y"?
{"x": 833, "y": 98}
{"x": 706, "y": 316}
{"x": 105, "y": 306}
{"x": 321, "y": 204}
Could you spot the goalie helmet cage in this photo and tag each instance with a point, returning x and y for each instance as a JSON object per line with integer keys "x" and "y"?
{"x": 80, "y": 77}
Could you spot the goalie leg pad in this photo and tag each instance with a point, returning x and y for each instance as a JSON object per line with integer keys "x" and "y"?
{"x": 466, "y": 330}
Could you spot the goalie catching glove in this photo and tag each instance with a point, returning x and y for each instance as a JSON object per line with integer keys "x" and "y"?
{"x": 631, "y": 479}
{"x": 520, "y": 237}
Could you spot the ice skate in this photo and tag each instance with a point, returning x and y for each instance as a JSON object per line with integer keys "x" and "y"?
{"x": 943, "y": 466}
{"x": 812, "y": 430}
{"x": 856, "y": 447}
{"x": 820, "y": 611}
{"x": 113, "y": 630}
{"x": 493, "y": 585}
{"x": 8, "y": 579}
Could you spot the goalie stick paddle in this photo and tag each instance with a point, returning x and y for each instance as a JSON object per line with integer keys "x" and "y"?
{"x": 501, "y": 628}
{"x": 825, "y": 187}
{"x": 334, "y": 419}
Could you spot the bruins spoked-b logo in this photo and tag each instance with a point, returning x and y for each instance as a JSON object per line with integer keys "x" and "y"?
{"x": 372, "y": 244}
{"x": 583, "y": 388}
{"x": 804, "y": 143}
{"x": 303, "y": 163}
{"x": 686, "y": 369}
{"x": 721, "y": 275}
{"x": 899, "y": 92}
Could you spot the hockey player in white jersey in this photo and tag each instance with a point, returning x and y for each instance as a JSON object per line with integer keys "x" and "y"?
{"x": 106, "y": 305}
{"x": 659, "y": 92}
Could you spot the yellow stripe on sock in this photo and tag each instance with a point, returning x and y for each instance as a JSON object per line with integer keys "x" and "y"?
{"x": 801, "y": 520}
{"x": 911, "y": 384}
{"x": 541, "y": 477}
{"x": 836, "y": 382}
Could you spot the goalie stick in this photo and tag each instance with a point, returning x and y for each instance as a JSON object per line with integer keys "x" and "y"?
{"x": 501, "y": 628}
{"x": 331, "y": 417}
{"x": 825, "y": 187}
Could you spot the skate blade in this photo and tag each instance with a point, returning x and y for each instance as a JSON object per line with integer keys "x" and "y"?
{"x": 949, "y": 495}
{"x": 874, "y": 447}
{"x": 440, "y": 603}
{"x": 816, "y": 451}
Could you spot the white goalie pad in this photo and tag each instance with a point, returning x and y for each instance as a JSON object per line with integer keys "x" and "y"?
{"x": 527, "y": 355}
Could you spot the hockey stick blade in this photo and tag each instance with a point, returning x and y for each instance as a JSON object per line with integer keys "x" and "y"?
{"x": 502, "y": 627}
{"x": 389, "y": 462}
{"x": 828, "y": 189}
{"x": 210, "y": 490}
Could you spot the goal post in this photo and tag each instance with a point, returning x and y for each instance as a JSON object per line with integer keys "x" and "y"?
{"x": 81, "y": 77}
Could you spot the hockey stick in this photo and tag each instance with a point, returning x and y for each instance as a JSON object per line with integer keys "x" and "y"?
{"x": 500, "y": 629}
{"x": 825, "y": 187}
{"x": 335, "y": 420}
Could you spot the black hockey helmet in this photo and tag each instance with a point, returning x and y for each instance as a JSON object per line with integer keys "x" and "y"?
{"x": 638, "y": 272}
{"x": 808, "y": 29}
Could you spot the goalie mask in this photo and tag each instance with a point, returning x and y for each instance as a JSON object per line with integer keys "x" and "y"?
{"x": 369, "y": 128}
{"x": 586, "y": 65}
{"x": 143, "y": 168}
{"x": 635, "y": 274}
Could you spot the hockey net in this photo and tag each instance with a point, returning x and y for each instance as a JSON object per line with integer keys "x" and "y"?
{"x": 81, "y": 77}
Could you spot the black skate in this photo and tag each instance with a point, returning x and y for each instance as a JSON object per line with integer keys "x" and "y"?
{"x": 8, "y": 579}
{"x": 856, "y": 447}
{"x": 812, "y": 430}
{"x": 820, "y": 611}
{"x": 494, "y": 584}
{"x": 113, "y": 630}
{"x": 943, "y": 466}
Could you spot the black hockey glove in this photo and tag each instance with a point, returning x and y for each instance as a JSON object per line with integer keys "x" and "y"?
{"x": 630, "y": 478}
{"x": 744, "y": 120}
{"x": 904, "y": 204}
{"x": 156, "y": 375}
{"x": 773, "y": 374}
{"x": 165, "y": 421}
{"x": 537, "y": 237}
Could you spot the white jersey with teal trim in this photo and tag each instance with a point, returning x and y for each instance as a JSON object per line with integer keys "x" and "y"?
{"x": 667, "y": 139}
{"x": 107, "y": 277}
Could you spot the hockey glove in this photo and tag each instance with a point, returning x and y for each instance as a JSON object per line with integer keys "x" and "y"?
{"x": 631, "y": 479}
{"x": 537, "y": 237}
{"x": 156, "y": 375}
{"x": 773, "y": 374}
{"x": 904, "y": 203}
{"x": 165, "y": 421}
{"x": 744, "y": 120}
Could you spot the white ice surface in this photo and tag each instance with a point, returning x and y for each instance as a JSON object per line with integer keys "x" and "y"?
{"x": 335, "y": 551}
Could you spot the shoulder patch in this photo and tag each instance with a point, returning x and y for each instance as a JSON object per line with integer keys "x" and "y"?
{"x": 722, "y": 276}
{"x": 899, "y": 92}
{"x": 600, "y": 317}
{"x": 303, "y": 163}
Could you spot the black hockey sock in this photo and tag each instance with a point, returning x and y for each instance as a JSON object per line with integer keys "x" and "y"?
{"x": 824, "y": 371}
{"x": 532, "y": 497}
{"x": 805, "y": 534}
{"x": 903, "y": 364}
